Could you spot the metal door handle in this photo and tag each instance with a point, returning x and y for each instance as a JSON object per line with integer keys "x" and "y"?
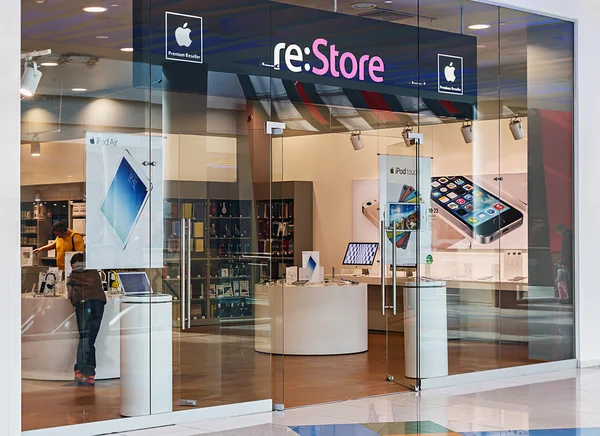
{"x": 189, "y": 273}
{"x": 182, "y": 277}
{"x": 382, "y": 225}
{"x": 394, "y": 275}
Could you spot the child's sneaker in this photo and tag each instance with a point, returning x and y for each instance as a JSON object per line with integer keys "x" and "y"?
{"x": 78, "y": 376}
{"x": 88, "y": 381}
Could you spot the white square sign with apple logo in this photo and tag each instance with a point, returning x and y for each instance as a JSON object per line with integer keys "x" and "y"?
{"x": 183, "y": 38}
{"x": 450, "y": 74}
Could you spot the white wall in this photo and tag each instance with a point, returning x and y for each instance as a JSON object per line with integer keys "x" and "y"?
{"x": 330, "y": 162}
{"x": 586, "y": 14}
{"x": 10, "y": 271}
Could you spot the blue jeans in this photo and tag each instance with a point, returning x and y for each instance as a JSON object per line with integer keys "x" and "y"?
{"x": 89, "y": 317}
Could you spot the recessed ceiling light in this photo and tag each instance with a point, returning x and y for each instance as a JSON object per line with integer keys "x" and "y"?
{"x": 363, "y": 5}
{"x": 481, "y": 46}
{"x": 479, "y": 26}
{"x": 127, "y": 49}
{"x": 101, "y": 37}
{"x": 49, "y": 64}
{"x": 388, "y": 1}
{"x": 503, "y": 23}
{"x": 114, "y": 5}
{"x": 79, "y": 89}
{"x": 95, "y": 9}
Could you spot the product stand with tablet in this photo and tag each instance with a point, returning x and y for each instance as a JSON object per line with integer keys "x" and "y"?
{"x": 361, "y": 254}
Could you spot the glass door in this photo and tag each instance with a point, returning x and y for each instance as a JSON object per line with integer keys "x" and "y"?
{"x": 216, "y": 186}
{"x": 403, "y": 219}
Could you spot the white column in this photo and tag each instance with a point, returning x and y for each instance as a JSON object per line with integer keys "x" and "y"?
{"x": 10, "y": 269}
{"x": 586, "y": 14}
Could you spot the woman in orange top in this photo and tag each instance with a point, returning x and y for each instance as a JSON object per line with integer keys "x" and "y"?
{"x": 66, "y": 240}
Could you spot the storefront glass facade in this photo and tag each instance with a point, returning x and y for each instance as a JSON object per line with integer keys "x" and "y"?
{"x": 196, "y": 150}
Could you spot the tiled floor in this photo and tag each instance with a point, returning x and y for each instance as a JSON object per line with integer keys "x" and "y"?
{"x": 566, "y": 400}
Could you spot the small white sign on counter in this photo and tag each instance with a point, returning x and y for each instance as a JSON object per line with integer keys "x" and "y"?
{"x": 26, "y": 256}
{"x": 303, "y": 274}
{"x": 291, "y": 274}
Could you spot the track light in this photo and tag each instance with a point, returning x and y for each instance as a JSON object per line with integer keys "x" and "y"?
{"x": 30, "y": 79}
{"x": 408, "y": 141}
{"x": 516, "y": 128}
{"x": 36, "y": 146}
{"x": 467, "y": 131}
{"x": 356, "y": 141}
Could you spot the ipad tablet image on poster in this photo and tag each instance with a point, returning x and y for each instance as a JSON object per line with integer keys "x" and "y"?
{"x": 474, "y": 210}
{"x": 124, "y": 196}
{"x": 125, "y": 199}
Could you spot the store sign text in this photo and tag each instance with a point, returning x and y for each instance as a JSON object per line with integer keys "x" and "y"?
{"x": 346, "y": 65}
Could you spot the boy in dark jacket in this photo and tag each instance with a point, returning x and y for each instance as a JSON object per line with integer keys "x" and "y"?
{"x": 87, "y": 296}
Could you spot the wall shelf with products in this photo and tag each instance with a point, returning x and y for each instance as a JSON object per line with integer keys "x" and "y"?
{"x": 223, "y": 235}
{"x": 284, "y": 212}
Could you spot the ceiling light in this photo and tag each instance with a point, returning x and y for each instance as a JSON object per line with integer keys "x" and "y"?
{"x": 467, "y": 131}
{"x": 79, "y": 89}
{"x": 30, "y": 79}
{"x": 95, "y": 9}
{"x": 479, "y": 26}
{"x": 363, "y": 6}
{"x": 49, "y": 64}
{"x": 388, "y": 2}
{"x": 516, "y": 128}
{"x": 127, "y": 49}
{"x": 36, "y": 146}
{"x": 481, "y": 46}
{"x": 356, "y": 141}
{"x": 101, "y": 37}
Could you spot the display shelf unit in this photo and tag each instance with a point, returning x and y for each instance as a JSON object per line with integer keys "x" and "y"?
{"x": 221, "y": 216}
{"x": 35, "y": 224}
{"x": 284, "y": 213}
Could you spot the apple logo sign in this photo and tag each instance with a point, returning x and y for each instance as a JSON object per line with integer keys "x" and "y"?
{"x": 182, "y": 36}
{"x": 449, "y": 72}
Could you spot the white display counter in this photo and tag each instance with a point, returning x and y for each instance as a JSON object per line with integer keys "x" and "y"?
{"x": 146, "y": 355}
{"x": 432, "y": 329}
{"x": 311, "y": 320}
{"x": 50, "y": 336}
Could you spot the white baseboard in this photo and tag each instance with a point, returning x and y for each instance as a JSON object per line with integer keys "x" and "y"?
{"x": 496, "y": 374}
{"x": 588, "y": 363}
{"x": 159, "y": 420}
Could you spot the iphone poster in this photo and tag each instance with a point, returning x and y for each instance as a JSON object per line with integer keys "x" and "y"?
{"x": 124, "y": 195}
{"x": 405, "y": 203}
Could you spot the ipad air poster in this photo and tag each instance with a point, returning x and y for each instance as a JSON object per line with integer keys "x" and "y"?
{"x": 124, "y": 193}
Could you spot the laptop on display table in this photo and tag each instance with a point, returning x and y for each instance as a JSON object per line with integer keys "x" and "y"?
{"x": 135, "y": 283}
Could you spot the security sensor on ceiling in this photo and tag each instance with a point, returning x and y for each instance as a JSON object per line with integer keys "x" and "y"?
{"x": 408, "y": 141}
{"x": 356, "y": 141}
{"x": 516, "y": 128}
{"x": 467, "y": 131}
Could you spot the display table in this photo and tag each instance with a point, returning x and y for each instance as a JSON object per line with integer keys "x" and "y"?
{"x": 429, "y": 336}
{"x": 50, "y": 336}
{"x": 146, "y": 355}
{"x": 311, "y": 320}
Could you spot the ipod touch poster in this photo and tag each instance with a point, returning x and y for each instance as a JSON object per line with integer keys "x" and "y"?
{"x": 405, "y": 183}
{"x": 124, "y": 194}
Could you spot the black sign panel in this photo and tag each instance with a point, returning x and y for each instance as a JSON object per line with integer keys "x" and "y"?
{"x": 305, "y": 44}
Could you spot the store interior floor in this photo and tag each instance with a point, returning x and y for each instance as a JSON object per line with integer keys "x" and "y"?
{"x": 218, "y": 365}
